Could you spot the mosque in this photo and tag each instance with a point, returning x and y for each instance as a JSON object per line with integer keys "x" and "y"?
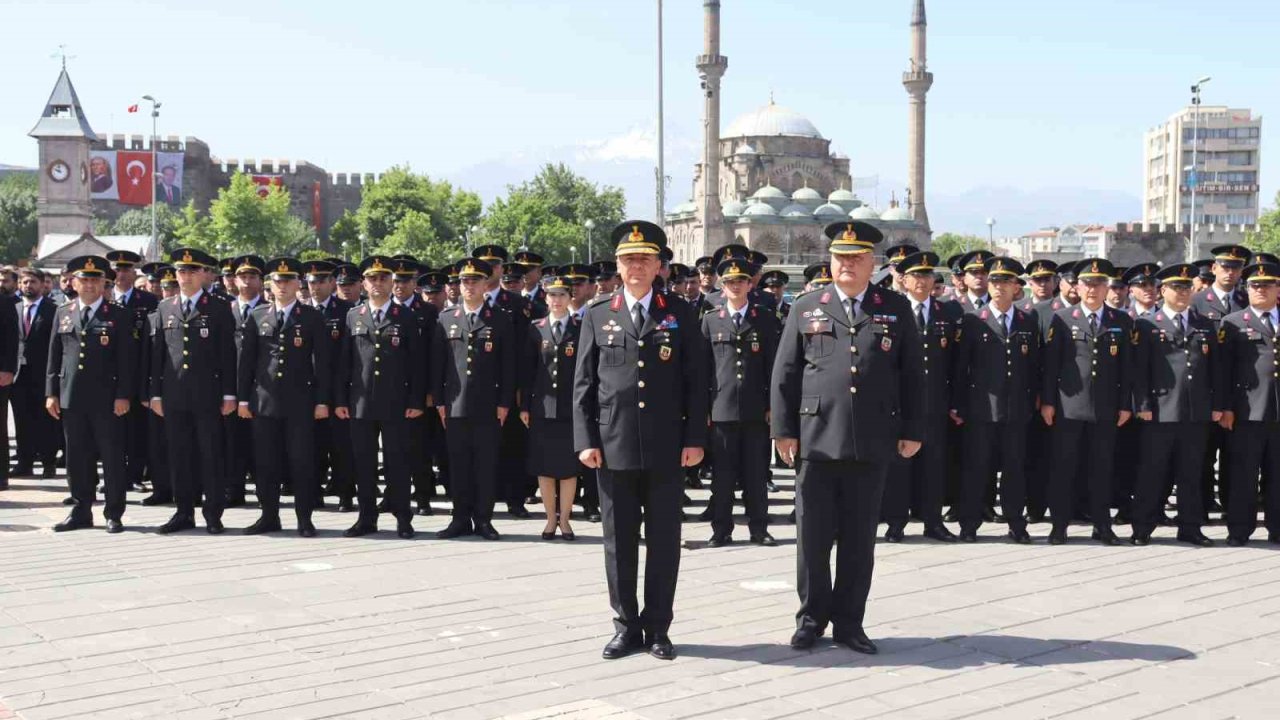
{"x": 771, "y": 181}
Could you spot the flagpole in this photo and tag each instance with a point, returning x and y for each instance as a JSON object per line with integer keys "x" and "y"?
{"x": 155, "y": 113}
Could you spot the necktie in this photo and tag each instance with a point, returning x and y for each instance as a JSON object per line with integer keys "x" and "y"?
{"x": 1004, "y": 325}
{"x": 849, "y": 308}
{"x": 84, "y": 317}
{"x": 637, "y": 316}
{"x": 377, "y": 317}
{"x": 737, "y": 322}
{"x": 26, "y": 323}
{"x": 979, "y": 302}
{"x": 471, "y": 318}
{"x": 556, "y": 332}
{"x": 1266, "y": 320}
{"x": 920, "y": 316}
{"x": 279, "y": 319}
{"x": 1182, "y": 329}
{"x": 1093, "y": 323}
{"x": 186, "y": 307}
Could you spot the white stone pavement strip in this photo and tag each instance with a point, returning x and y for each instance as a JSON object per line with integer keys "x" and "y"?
{"x": 196, "y": 626}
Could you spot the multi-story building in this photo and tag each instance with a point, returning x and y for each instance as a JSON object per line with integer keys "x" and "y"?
{"x": 1227, "y": 157}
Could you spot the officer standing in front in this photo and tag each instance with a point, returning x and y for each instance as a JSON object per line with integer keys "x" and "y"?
{"x": 847, "y": 398}
{"x": 640, "y": 415}
{"x": 284, "y": 384}
{"x": 91, "y": 373}
{"x": 193, "y": 384}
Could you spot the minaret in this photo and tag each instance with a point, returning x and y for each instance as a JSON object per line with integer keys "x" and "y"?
{"x": 64, "y": 136}
{"x": 711, "y": 67}
{"x": 917, "y": 80}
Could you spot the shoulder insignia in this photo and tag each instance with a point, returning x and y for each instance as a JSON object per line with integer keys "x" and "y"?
{"x": 826, "y": 298}
{"x": 662, "y": 300}
{"x": 1049, "y": 338}
{"x": 1075, "y": 313}
{"x": 617, "y": 302}
{"x": 1134, "y": 337}
{"x": 984, "y": 314}
{"x": 1222, "y": 335}
{"x": 542, "y": 323}
{"x": 395, "y": 310}
{"x": 204, "y": 299}
{"x": 362, "y": 307}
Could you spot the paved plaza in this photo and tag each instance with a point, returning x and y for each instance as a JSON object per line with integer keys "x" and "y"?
{"x": 198, "y": 626}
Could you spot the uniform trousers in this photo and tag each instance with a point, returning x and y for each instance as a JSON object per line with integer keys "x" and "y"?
{"x": 395, "y": 463}
{"x": 158, "y": 463}
{"x": 4, "y": 433}
{"x": 1254, "y": 448}
{"x": 90, "y": 435}
{"x": 278, "y": 442}
{"x": 738, "y": 460}
{"x": 341, "y": 455}
{"x": 1170, "y": 450}
{"x": 473, "y": 466}
{"x": 836, "y": 499}
{"x": 424, "y": 479}
{"x": 516, "y": 483}
{"x": 1088, "y": 447}
{"x": 988, "y": 447}
{"x": 238, "y": 459}
{"x": 195, "y": 445}
{"x": 629, "y": 498}
{"x": 1038, "y": 449}
{"x": 1127, "y": 462}
{"x": 919, "y": 483}
{"x": 590, "y": 489}
{"x": 437, "y": 453}
{"x": 35, "y": 429}
{"x": 136, "y": 436}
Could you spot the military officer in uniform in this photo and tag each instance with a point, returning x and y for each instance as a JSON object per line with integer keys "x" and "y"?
{"x": 1042, "y": 278}
{"x": 141, "y": 303}
{"x": 994, "y": 390}
{"x": 848, "y": 397}
{"x": 741, "y": 342}
{"x": 381, "y": 385}
{"x": 1085, "y": 397}
{"x": 193, "y": 385}
{"x": 1253, "y": 407}
{"x": 894, "y": 257}
{"x": 915, "y": 485}
{"x": 1178, "y": 393}
{"x": 474, "y": 381}
{"x": 284, "y": 384}
{"x": 332, "y": 441}
{"x": 975, "y": 294}
{"x": 404, "y": 293}
{"x": 640, "y": 397}
{"x": 775, "y": 283}
{"x": 91, "y": 372}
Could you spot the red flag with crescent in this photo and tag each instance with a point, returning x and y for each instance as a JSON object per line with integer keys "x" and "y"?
{"x": 134, "y": 177}
{"x": 266, "y": 182}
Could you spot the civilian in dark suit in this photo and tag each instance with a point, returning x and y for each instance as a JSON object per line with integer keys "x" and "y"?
{"x": 141, "y": 304}
{"x": 848, "y": 397}
{"x": 10, "y": 350}
{"x": 333, "y": 441}
{"x": 640, "y": 415}
{"x": 404, "y": 292}
{"x": 90, "y": 371}
{"x": 193, "y": 385}
{"x": 36, "y": 430}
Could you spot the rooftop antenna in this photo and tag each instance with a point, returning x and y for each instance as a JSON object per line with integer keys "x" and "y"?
{"x": 62, "y": 54}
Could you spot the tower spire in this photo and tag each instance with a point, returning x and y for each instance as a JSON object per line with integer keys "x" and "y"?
{"x": 711, "y": 67}
{"x": 917, "y": 81}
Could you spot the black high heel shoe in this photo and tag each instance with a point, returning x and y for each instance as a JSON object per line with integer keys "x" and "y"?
{"x": 549, "y": 535}
{"x": 568, "y": 535}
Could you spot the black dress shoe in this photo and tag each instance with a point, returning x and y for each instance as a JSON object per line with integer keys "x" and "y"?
{"x": 950, "y": 516}
{"x": 705, "y": 515}
{"x": 893, "y": 535}
{"x": 68, "y": 501}
{"x": 764, "y": 539}
{"x": 856, "y": 641}
{"x": 939, "y": 533}
{"x": 1035, "y": 516}
{"x": 236, "y": 501}
{"x": 1274, "y": 538}
{"x": 73, "y": 522}
{"x": 622, "y": 645}
{"x": 1058, "y": 536}
{"x": 360, "y": 529}
{"x": 804, "y": 638}
{"x": 519, "y": 511}
{"x": 425, "y": 509}
{"x": 660, "y": 647}
{"x": 1194, "y": 537}
{"x": 404, "y": 529}
{"x": 115, "y": 526}
{"x": 1140, "y": 540}
{"x": 306, "y": 529}
{"x": 968, "y": 536}
{"x": 771, "y": 487}
{"x": 214, "y": 527}
{"x": 1104, "y": 536}
{"x": 154, "y": 499}
{"x": 1020, "y": 536}
{"x": 20, "y": 470}
{"x": 49, "y": 471}
{"x": 453, "y": 530}
{"x": 177, "y": 523}
{"x": 719, "y": 541}
{"x": 262, "y": 525}
{"x": 593, "y": 514}
{"x": 487, "y": 531}
{"x": 346, "y": 505}
{"x": 1236, "y": 541}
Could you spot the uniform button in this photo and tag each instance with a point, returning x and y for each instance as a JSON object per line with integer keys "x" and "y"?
{"x": 853, "y": 370}
{"x": 853, "y": 390}
{"x": 640, "y": 343}
{"x": 186, "y": 352}
{"x": 468, "y": 372}
{"x": 468, "y": 359}
{"x": 1094, "y": 374}
{"x": 853, "y": 349}
{"x": 641, "y": 404}
{"x": 81, "y": 354}
{"x": 375, "y": 359}
{"x": 739, "y": 350}
{"x": 739, "y": 363}
{"x": 1010, "y": 374}
{"x": 926, "y": 371}
{"x": 926, "y": 346}
{"x": 739, "y": 377}
{"x": 641, "y": 383}
{"x": 279, "y": 375}
{"x": 184, "y": 366}
{"x": 554, "y": 386}
{"x": 80, "y": 367}
{"x": 640, "y": 363}
{"x": 1188, "y": 377}
{"x": 376, "y": 346}
{"x": 376, "y": 373}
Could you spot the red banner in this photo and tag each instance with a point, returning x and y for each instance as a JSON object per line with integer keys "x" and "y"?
{"x": 266, "y": 182}
{"x": 134, "y": 178}
{"x": 317, "y": 217}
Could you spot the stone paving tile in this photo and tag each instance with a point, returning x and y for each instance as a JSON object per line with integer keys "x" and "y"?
{"x": 196, "y": 627}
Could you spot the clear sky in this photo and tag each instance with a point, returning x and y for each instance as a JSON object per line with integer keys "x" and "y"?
{"x": 1028, "y": 93}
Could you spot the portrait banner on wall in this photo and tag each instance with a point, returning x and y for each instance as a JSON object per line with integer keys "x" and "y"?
{"x": 102, "y": 175}
{"x": 169, "y": 179}
{"x": 266, "y": 182}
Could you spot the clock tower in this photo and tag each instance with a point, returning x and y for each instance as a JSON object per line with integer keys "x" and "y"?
{"x": 64, "y": 136}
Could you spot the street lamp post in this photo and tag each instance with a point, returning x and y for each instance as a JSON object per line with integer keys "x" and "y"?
{"x": 991, "y": 232}
{"x": 589, "y": 225}
{"x": 155, "y": 114}
{"x": 573, "y": 253}
{"x": 469, "y": 235}
{"x": 363, "y": 237}
{"x": 1192, "y": 178}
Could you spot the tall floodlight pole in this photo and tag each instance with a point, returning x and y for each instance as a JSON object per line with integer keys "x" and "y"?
{"x": 155, "y": 114}
{"x": 589, "y": 225}
{"x": 1192, "y": 178}
{"x": 662, "y": 176}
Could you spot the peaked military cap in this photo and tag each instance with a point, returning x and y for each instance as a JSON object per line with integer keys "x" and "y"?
{"x": 638, "y": 236}
{"x": 1003, "y": 267}
{"x": 123, "y": 259}
{"x": 88, "y": 266}
{"x": 775, "y": 278}
{"x": 285, "y": 267}
{"x": 852, "y": 237}
{"x": 1042, "y": 268}
{"x": 735, "y": 268}
{"x": 249, "y": 263}
{"x": 917, "y": 262}
{"x": 1091, "y": 268}
{"x": 1181, "y": 273}
{"x": 898, "y": 253}
{"x": 1143, "y": 273}
{"x": 193, "y": 258}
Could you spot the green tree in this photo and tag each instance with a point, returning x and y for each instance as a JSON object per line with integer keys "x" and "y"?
{"x": 344, "y": 235}
{"x": 1267, "y": 239}
{"x": 138, "y": 222}
{"x": 244, "y": 221}
{"x": 435, "y": 216}
{"x": 191, "y": 229}
{"x": 17, "y": 217}
{"x": 948, "y": 244}
{"x": 550, "y": 211}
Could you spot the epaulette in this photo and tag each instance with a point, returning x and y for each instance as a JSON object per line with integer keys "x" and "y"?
{"x": 600, "y": 300}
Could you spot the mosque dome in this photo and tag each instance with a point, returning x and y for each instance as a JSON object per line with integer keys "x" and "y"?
{"x": 771, "y": 120}
{"x": 733, "y": 208}
{"x": 796, "y": 210}
{"x": 829, "y": 210}
{"x": 845, "y": 199}
{"x": 771, "y": 195}
{"x": 760, "y": 209}
{"x": 865, "y": 212}
{"x": 897, "y": 213}
{"x": 745, "y": 149}
{"x": 685, "y": 208}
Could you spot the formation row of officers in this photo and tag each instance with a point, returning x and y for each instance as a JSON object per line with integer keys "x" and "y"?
{"x": 874, "y": 394}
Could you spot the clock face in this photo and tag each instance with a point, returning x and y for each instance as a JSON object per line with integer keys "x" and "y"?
{"x": 59, "y": 171}
{"x": 84, "y": 173}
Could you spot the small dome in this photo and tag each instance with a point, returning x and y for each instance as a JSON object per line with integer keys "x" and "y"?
{"x": 796, "y": 210}
{"x": 760, "y": 209}
{"x": 745, "y": 149}
{"x": 768, "y": 192}
{"x": 685, "y": 208}
{"x": 806, "y": 193}
{"x": 844, "y": 199}
{"x": 771, "y": 120}
{"x": 829, "y": 210}
{"x": 864, "y": 212}
{"x": 733, "y": 208}
{"x": 897, "y": 214}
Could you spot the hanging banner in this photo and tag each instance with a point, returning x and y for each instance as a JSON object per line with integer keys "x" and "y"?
{"x": 266, "y": 182}
{"x": 102, "y": 175}
{"x": 133, "y": 177}
{"x": 317, "y": 216}
{"x": 169, "y": 179}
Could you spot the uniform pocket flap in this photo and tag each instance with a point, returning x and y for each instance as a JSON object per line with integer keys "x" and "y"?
{"x": 606, "y": 414}
{"x": 809, "y": 404}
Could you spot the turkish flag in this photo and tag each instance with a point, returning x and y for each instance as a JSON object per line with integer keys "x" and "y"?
{"x": 266, "y": 182}
{"x": 134, "y": 177}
